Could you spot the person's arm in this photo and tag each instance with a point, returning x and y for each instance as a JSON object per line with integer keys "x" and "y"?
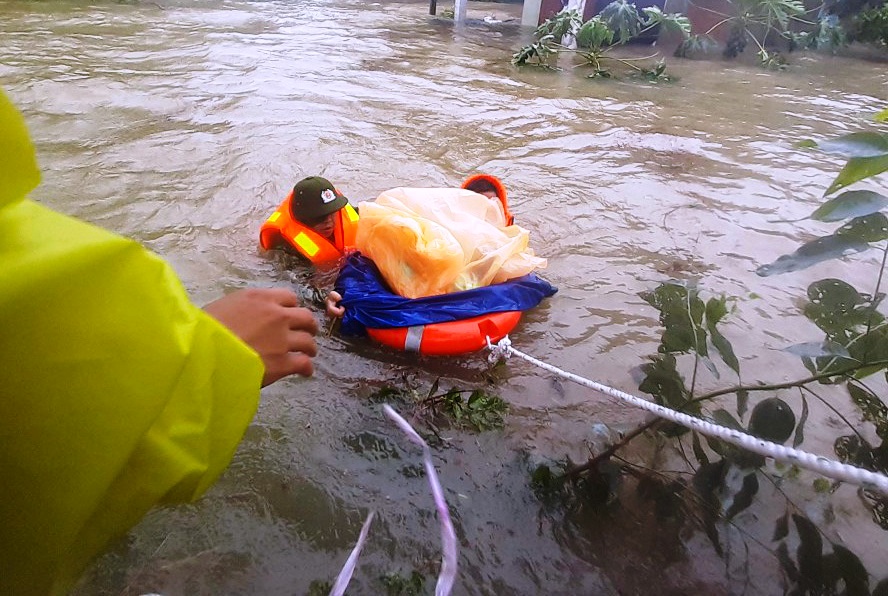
{"x": 116, "y": 392}
{"x": 272, "y": 323}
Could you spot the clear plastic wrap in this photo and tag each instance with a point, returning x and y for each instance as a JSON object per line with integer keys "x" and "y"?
{"x": 430, "y": 241}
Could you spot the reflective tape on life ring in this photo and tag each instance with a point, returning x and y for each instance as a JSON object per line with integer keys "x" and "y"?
{"x": 413, "y": 340}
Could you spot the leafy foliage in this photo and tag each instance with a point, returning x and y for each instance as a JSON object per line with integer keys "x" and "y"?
{"x": 474, "y": 409}
{"x": 618, "y": 23}
{"x": 871, "y": 25}
{"x": 398, "y": 585}
{"x": 726, "y": 479}
{"x": 760, "y": 22}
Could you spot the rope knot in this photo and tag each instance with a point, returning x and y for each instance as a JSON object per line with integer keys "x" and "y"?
{"x": 500, "y": 350}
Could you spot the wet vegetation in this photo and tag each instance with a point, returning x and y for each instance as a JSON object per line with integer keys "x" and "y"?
{"x": 722, "y": 481}
{"x": 471, "y": 409}
{"x": 771, "y": 28}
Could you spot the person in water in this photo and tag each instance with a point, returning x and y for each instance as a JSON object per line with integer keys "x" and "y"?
{"x": 117, "y": 393}
{"x": 492, "y": 188}
{"x": 315, "y": 220}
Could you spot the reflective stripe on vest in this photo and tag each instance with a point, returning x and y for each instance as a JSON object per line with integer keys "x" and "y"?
{"x": 306, "y": 244}
{"x": 350, "y": 211}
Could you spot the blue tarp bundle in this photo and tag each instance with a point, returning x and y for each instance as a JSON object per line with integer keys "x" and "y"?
{"x": 369, "y": 302}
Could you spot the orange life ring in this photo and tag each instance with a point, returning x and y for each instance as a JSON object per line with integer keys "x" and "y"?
{"x": 449, "y": 338}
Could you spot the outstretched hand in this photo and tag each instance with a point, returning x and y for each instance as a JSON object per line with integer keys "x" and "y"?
{"x": 271, "y": 322}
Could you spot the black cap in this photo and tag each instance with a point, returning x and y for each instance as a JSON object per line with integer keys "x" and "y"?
{"x": 315, "y": 198}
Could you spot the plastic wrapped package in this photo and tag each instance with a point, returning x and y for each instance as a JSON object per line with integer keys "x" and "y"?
{"x": 430, "y": 241}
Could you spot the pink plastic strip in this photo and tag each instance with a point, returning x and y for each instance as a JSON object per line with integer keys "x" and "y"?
{"x": 448, "y": 535}
{"x": 349, "y": 568}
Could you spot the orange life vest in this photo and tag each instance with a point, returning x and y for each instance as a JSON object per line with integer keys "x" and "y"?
{"x": 500, "y": 190}
{"x": 282, "y": 226}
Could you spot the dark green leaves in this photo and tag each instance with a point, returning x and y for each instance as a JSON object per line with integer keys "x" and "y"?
{"x": 853, "y": 237}
{"x": 681, "y": 314}
{"x": 856, "y": 144}
{"x": 667, "y": 22}
{"x": 867, "y": 154}
{"x": 780, "y": 10}
{"x": 838, "y": 309}
{"x": 560, "y": 25}
{"x": 743, "y": 499}
{"x": 663, "y": 381}
{"x": 535, "y": 53}
{"x": 867, "y": 228}
{"x": 594, "y": 34}
{"x": 852, "y": 203}
{"x": 872, "y": 408}
{"x": 857, "y": 169}
{"x": 814, "y": 252}
{"x": 623, "y": 18}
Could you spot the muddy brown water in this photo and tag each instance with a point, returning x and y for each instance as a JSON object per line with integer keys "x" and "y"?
{"x": 183, "y": 124}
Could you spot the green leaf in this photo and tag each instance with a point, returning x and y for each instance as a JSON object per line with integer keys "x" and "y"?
{"x": 856, "y": 144}
{"x": 742, "y": 402}
{"x": 671, "y": 22}
{"x": 716, "y": 310}
{"x": 812, "y": 253}
{"x": 743, "y": 498}
{"x": 799, "y": 437}
{"x": 836, "y": 306}
{"x": 566, "y": 21}
{"x": 814, "y": 349}
{"x": 696, "y": 44}
{"x": 852, "y": 572}
{"x": 724, "y": 418}
{"x": 786, "y": 563}
{"x": 780, "y": 10}
{"x": 623, "y": 18}
{"x": 709, "y": 477}
{"x": 594, "y": 34}
{"x": 872, "y": 408}
{"x": 857, "y": 169}
{"x": 867, "y": 228}
{"x": 881, "y": 116}
{"x": 699, "y": 452}
{"x": 781, "y": 528}
{"x": 681, "y": 314}
{"x": 852, "y": 203}
{"x": 810, "y": 552}
{"x": 663, "y": 381}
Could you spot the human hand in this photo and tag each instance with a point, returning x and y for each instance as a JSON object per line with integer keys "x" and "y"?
{"x": 333, "y": 308}
{"x": 271, "y": 322}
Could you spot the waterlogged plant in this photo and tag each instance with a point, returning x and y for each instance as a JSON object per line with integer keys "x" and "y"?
{"x": 871, "y": 26}
{"x": 725, "y": 479}
{"x": 594, "y": 40}
{"x": 766, "y": 24}
{"x": 474, "y": 409}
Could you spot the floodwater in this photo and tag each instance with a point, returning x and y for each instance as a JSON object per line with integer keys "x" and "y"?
{"x": 183, "y": 124}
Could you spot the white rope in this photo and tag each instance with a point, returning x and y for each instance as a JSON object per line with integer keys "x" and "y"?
{"x": 822, "y": 465}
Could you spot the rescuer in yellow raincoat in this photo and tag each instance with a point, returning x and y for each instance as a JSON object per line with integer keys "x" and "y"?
{"x": 116, "y": 392}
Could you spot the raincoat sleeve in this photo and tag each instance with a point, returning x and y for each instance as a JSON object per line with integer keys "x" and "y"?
{"x": 116, "y": 392}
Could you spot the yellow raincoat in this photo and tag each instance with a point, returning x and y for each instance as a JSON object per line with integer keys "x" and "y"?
{"x": 116, "y": 392}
